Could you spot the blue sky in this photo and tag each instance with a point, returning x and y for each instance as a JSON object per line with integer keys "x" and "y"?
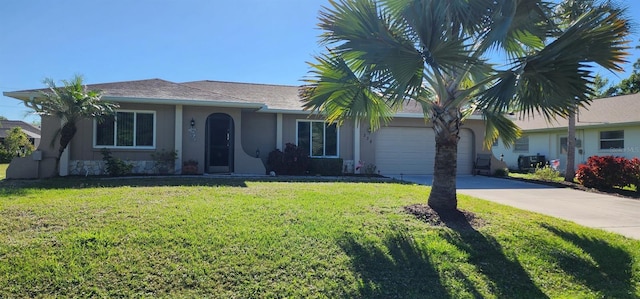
{"x": 177, "y": 40}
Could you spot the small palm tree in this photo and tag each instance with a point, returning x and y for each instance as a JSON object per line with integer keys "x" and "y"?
{"x": 70, "y": 104}
{"x": 383, "y": 54}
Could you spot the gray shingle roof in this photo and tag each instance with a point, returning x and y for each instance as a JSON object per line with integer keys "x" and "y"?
{"x": 279, "y": 97}
{"x": 160, "y": 89}
{"x": 275, "y": 97}
{"x": 607, "y": 111}
{"x": 30, "y": 130}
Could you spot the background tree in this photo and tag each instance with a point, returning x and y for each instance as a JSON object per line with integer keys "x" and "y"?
{"x": 70, "y": 104}
{"x": 383, "y": 54}
{"x": 16, "y": 144}
{"x": 569, "y": 11}
{"x": 631, "y": 84}
{"x": 602, "y": 88}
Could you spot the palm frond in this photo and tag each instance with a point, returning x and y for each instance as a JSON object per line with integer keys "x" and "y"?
{"x": 70, "y": 102}
{"x": 517, "y": 26}
{"x": 366, "y": 35}
{"x": 499, "y": 125}
{"x": 560, "y": 76}
{"x": 335, "y": 90}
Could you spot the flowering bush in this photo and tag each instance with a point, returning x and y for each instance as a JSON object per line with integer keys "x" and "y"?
{"x": 606, "y": 172}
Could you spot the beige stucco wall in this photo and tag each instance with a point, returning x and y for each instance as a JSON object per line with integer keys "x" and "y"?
{"x": 81, "y": 147}
{"x": 194, "y": 148}
{"x": 259, "y": 133}
{"x": 28, "y": 168}
{"x": 253, "y": 130}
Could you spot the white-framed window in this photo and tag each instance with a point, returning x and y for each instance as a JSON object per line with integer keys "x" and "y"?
{"x": 126, "y": 129}
{"x": 521, "y": 144}
{"x": 318, "y": 137}
{"x": 612, "y": 140}
{"x": 564, "y": 147}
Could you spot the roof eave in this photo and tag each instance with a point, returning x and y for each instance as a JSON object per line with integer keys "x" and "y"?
{"x": 193, "y": 102}
{"x": 585, "y": 126}
{"x": 23, "y": 96}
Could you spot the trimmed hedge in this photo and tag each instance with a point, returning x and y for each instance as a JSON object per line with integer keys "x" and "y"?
{"x": 326, "y": 166}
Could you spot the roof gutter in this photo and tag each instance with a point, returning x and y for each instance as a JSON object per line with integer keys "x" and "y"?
{"x": 582, "y": 127}
{"x": 23, "y": 96}
{"x": 420, "y": 115}
{"x": 194, "y": 102}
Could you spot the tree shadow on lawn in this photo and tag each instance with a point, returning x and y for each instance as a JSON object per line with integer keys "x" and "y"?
{"x": 401, "y": 271}
{"x": 509, "y": 279}
{"x": 608, "y": 271}
{"x": 406, "y": 271}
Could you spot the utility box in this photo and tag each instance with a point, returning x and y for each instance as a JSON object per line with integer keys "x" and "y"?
{"x": 36, "y": 155}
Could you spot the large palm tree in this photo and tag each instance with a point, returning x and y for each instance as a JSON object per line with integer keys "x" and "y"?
{"x": 384, "y": 53}
{"x": 70, "y": 104}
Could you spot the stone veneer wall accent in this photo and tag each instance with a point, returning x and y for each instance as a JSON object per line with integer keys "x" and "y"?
{"x": 98, "y": 167}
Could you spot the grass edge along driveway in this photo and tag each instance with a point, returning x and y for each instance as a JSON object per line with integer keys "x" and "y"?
{"x": 245, "y": 239}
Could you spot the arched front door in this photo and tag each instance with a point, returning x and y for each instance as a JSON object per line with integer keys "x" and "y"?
{"x": 219, "y": 143}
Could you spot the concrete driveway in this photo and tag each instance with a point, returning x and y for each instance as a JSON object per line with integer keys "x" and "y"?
{"x": 607, "y": 212}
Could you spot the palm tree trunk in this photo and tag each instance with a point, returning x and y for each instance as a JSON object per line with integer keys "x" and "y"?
{"x": 570, "y": 172}
{"x": 446, "y": 125}
{"x": 69, "y": 130}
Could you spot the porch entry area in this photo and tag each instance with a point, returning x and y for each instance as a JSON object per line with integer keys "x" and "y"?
{"x": 219, "y": 143}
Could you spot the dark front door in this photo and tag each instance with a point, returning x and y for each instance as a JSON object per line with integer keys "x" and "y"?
{"x": 219, "y": 143}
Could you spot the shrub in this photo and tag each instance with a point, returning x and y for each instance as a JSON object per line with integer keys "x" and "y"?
{"x": 633, "y": 173}
{"x": 605, "y": 172}
{"x": 546, "y": 173}
{"x": 293, "y": 161}
{"x": 6, "y": 156}
{"x": 16, "y": 144}
{"x": 501, "y": 172}
{"x": 370, "y": 169}
{"x": 115, "y": 166}
{"x": 164, "y": 160}
{"x": 326, "y": 166}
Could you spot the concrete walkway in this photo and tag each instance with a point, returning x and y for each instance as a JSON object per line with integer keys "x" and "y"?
{"x": 607, "y": 212}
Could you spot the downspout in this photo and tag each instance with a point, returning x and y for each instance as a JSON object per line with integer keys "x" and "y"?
{"x": 178, "y": 139}
{"x": 356, "y": 144}
{"x": 279, "y": 144}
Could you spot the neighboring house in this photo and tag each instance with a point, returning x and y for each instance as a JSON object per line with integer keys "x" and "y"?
{"x": 609, "y": 126}
{"x": 231, "y": 128}
{"x": 32, "y": 132}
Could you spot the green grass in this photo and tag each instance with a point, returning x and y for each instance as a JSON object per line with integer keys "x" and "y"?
{"x": 547, "y": 176}
{"x": 248, "y": 239}
{"x": 540, "y": 175}
{"x": 3, "y": 171}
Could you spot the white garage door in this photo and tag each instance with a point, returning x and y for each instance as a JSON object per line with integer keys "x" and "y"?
{"x": 465, "y": 152}
{"x": 412, "y": 151}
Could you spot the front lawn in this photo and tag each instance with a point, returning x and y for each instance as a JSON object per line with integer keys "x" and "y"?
{"x": 3, "y": 171}
{"x": 250, "y": 239}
